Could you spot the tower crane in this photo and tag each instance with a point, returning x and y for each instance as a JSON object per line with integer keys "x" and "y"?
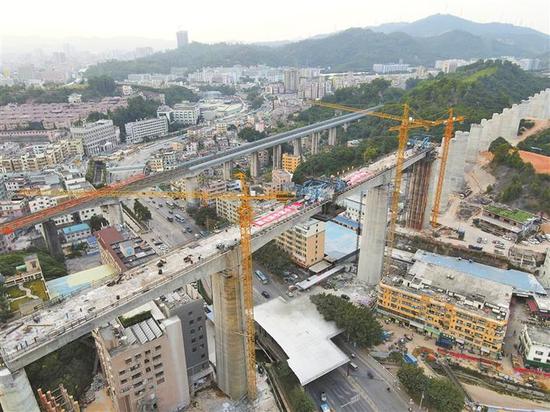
{"x": 406, "y": 123}
{"x": 246, "y": 215}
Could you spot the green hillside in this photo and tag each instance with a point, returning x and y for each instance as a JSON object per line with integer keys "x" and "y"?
{"x": 475, "y": 91}
{"x": 352, "y": 49}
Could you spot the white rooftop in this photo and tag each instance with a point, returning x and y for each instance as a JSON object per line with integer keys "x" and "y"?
{"x": 303, "y": 334}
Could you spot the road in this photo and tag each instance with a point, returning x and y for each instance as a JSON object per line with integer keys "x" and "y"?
{"x": 276, "y": 287}
{"x": 171, "y": 234}
{"x": 353, "y": 390}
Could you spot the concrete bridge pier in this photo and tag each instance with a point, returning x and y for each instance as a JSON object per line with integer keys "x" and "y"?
{"x": 345, "y": 127}
{"x": 16, "y": 393}
{"x": 315, "y": 143}
{"x": 277, "y": 157}
{"x": 230, "y": 329}
{"x": 332, "y": 136}
{"x": 226, "y": 170}
{"x": 297, "y": 144}
{"x": 373, "y": 235}
{"x": 192, "y": 186}
{"x": 254, "y": 165}
{"x": 52, "y": 239}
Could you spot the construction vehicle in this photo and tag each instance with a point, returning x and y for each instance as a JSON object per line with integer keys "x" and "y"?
{"x": 245, "y": 225}
{"x": 406, "y": 123}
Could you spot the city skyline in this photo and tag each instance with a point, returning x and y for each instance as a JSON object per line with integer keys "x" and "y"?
{"x": 231, "y": 22}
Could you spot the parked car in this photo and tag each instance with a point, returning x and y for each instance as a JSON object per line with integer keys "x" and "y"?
{"x": 344, "y": 296}
{"x": 266, "y": 295}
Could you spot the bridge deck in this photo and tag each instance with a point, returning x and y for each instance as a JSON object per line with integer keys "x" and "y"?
{"x": 79, "y": 314}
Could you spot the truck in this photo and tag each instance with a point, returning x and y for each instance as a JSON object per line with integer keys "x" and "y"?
{"x": 325, "y": 407}
{"x": 410, "y": 359}
{"x": 445, "y": 341}
{"x": 475, "y": 247}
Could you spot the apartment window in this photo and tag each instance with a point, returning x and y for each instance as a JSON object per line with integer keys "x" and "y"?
{"x": 199, "y": 318}
{"x": 137, "y": 375}
{"x": 159, "y": 375}
{"x": 147, "y": 352}
{"x": 147, "y": 370}
{"x": 193, "y": 340}
{"x": 538, "y": 352}
{"x": 194, "y": 350}
{"x": 122, "y": 372}
{"x": 156, "y": 358}
{"x": 128, "y": 361}
{"x": 203, "y": 356}
{"x": 157, "y": 347}
{"x": 192, "y": 331}
{"x": 161, "y": 380}
{"x": 138, "y": 356}
{"x": 191, "y": 321}
{"x": 190, "y": 313}
{"x": 123, "y": 381}
{"x": 158, "y": 365}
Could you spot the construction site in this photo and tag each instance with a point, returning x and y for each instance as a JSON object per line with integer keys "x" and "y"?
{"x": 423, "y": 195}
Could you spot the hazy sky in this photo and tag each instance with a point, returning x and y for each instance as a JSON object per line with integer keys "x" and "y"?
{"x": 245, "y": 20}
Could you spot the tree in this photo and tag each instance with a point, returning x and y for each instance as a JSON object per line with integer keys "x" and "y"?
{"x": 443, "y": 395}
{"x": 273, "y": 258}
{"x": 439, "y": 393}
{"x": 95, "y": 116}
{"x": 250, "y": 134}
{"x": 359, "y": 323}
{"x": 102, "y": 85}
{"x": 98, "y": 222}
{"x": 413, "y": 378}
{"x": 4, "y": 304}
{"x": 301, "y": 401}
{"x": 141, "y": 211}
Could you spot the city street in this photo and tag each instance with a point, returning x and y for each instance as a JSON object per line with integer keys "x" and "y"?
{"x": 171, "y": 234}
{"x": 353, "y": 390}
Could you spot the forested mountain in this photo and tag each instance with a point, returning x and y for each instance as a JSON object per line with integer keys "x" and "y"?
{"x": 522, "y": 37}
{"x": 352, "y": 49}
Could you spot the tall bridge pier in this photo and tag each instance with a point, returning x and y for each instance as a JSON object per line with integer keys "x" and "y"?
{"x": 230, "y": 328}
{"x": 16, "y": 392}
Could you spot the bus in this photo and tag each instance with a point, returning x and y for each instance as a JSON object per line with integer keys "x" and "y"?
{"x": 261, "y": 277}
{"x": 179, "y": 218}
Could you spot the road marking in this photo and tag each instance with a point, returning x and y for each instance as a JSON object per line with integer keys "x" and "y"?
{"x": 359, "y": 389}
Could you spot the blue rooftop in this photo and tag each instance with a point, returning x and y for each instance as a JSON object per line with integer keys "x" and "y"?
{"x": 520, "y": 281}
{"x": 346, "y": 222}
{"x": 80, "y": 227}
{"x": 339, "y": 240}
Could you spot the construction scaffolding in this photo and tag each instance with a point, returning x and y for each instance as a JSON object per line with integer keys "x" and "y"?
{"x": 417, "y": 193}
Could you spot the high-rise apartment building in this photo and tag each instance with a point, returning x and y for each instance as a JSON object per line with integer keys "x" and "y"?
{"x": 290, "y": 80}
{"x": 98, "y": 137}
{"x": 140, "y": 130}
{"x": 305, "y": 242}
{"x": 143, "y": 359}
{"x": 182, "y": 38}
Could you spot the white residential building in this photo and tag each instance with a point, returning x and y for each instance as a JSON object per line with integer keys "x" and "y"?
{"x": 535, "y": 346}
{"x": 139, "y": 130}
{"x": 98, "y": 137}
{"x": 186, "y": 113}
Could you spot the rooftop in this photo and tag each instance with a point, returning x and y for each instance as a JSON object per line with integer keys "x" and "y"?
{"x": 303, "y": 334}
{"x": 447, "y": 283}
{"x": 540, "y": 336}
{"x": 516, "y": 215}
{"x": 521, "y": 282}
{"x": 80, "y": 227}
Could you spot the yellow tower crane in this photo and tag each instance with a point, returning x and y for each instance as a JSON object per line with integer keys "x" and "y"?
{"x": 246, "y": 215}
{"x": 406, "y": 123}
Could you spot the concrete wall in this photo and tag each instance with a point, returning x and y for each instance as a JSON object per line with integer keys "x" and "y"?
{"x": 466, "y": 146}
{"x": 16, "y": 393}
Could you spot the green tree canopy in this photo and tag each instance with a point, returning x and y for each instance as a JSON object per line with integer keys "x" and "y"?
{"x": 359, "y": 322}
